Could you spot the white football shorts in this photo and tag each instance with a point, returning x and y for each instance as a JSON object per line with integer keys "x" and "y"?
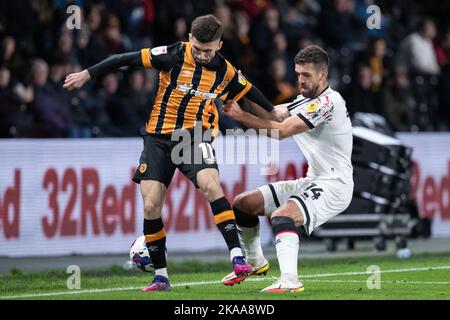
{"x": 318, "y": 200}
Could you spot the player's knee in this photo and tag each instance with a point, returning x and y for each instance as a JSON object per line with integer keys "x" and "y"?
{"x": 244, "y": 203}
{"x": 289, "y": 211}
{"x": 238, "y": 201}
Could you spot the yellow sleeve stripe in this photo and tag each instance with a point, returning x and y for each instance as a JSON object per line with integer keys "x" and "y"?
{"x": 145, "y": 56}
{"x": 243, "y": 92}
{"x": 224, "y": 216}
{"x": 155, "y": 236}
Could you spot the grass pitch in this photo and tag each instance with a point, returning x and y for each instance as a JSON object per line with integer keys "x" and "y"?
{"x": 424, "y": 276}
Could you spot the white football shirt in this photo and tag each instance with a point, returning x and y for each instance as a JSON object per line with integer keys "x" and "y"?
{"x": 327, "y": 146}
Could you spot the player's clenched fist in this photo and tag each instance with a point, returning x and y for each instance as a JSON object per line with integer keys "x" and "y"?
{"x": 76, "y": 80}
{"x": 233, "y": 110}
{"x": 280, "y": 112}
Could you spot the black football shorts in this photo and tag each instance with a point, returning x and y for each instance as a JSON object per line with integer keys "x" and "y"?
{"x": 161, "y": 156}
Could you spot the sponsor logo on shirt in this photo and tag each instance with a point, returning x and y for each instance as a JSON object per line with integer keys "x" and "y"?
{"x": 187, "y": 89}
{"x": 312, "y": 106}
{"x": 242, "y": 79}
{"x": 159, "y": 50}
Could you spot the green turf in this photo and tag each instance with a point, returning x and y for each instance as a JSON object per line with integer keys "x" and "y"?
{"x": 426, "y": 284}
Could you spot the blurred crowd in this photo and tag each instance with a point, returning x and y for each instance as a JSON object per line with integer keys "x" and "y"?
{"x": 400, "y": 69}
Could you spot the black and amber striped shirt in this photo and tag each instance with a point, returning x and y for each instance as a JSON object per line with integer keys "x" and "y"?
{"x": 187, "y": 90}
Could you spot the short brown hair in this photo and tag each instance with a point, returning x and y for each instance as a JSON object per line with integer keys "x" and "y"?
{"x": 206, "y": 28}
{"x": 315, "y": 55}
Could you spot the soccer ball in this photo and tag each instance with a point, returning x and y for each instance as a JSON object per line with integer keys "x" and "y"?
{"x": 139, "y": 255}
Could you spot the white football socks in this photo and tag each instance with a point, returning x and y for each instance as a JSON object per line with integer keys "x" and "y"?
{"x": 235, "y": 252}
{"x": 287, "y": 244}
{"x": 161, "y": 272}
{"x": 251, "y": 243}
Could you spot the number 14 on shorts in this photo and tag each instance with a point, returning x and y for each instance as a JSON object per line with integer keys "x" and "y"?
{"x": 315, "y": 191}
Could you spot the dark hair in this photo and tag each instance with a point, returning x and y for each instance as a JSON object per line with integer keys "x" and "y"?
{"x": 206, "y": 28}
{"x": 315, "y": 55}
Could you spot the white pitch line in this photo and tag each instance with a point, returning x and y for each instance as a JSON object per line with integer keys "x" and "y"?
{"x": 386, "y": 282}
{"x": 369, "y": 273}
{"x": 52, "y": 294}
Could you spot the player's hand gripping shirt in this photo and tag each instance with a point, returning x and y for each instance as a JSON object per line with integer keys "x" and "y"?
{"x": 187, "y": 90}
{"x": 328, "y": 145}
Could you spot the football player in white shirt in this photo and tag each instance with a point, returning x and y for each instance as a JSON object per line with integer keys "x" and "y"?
{"x": 318, "y": 121}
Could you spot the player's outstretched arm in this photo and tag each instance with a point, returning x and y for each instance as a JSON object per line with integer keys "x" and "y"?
{"x": 290, "y": 126}
{"x": 77, "y": 80}
{"x": 257, "y": 110}
{"x": 279, "y": 112}
{"x": 262, "y": 108}
{"x": 258, "y": 104}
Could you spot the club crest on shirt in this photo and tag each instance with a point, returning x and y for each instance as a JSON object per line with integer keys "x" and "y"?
{"x": 142, "y": 168}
